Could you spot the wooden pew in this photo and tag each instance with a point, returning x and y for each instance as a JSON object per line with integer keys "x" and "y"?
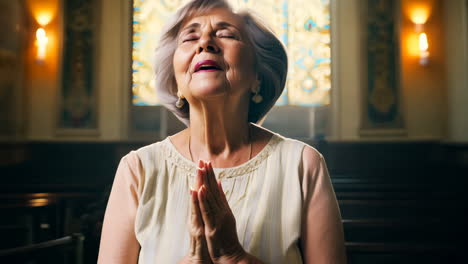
{"x": 66, "y": 250}
{"x": 403, "y": 253}
{"x": 396, "y": 220}
{"x": 37, "y": 217}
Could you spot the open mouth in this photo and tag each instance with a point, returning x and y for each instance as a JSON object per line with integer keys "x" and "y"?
{"x": 207, "y": 66}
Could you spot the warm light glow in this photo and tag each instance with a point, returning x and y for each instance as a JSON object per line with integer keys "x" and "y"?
{"x": 412, "y": 44}
{"x": 423, "y": 49}
{"x": 419, "y": 15}
{"x": 44, "y": 18}
{"x": 39, "y": 202}
{"x": 423, "y": 45}
{"x": 43, "y": 51}
{"x": 418, "y": 11}
{"x": 41, "y": 42}
{"x": 43, "y": 11}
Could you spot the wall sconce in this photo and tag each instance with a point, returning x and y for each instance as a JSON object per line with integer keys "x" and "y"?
{"x": 44, "y": 12}
{"x": 423, "y": 49}
{"x": 419, "y": 12}
{"x": 423, "y": 44}
{"x": 41, "y": 43}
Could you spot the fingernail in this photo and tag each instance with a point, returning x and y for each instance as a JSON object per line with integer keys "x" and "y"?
{"x": 201, "y": 164}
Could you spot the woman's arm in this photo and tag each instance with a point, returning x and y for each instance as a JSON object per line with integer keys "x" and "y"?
{"x": 322, "y": 238}
{"x": 118, "y": 241}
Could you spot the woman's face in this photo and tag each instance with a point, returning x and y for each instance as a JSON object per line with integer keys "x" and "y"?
{"x": 214, "y": 58}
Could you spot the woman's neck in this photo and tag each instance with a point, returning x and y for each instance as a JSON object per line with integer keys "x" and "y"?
{"x": 219, "y": 135}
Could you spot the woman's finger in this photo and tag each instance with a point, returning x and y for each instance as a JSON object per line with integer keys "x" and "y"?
{"x": 214, "y": 188}
{"x": 211, "y": 185}
{"x": 200, "y": 175}
{"x": 207, "y": 207}
{"x": 222, "y": 194}
{"x": 198, "y": 245}
{"x": 210, "y": 179}
{"x": 206, "y": 176}
{"x": 196, "y": 216}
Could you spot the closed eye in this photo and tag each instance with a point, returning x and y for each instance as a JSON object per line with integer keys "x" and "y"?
{"x": 189, "y": 39}
{"x": 228, "y": 36}
{"x": 190, "y": 36}
{"x": 226, "y": 33}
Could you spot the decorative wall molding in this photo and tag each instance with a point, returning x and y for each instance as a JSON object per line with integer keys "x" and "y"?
{"x": 382, "y": 113}
{"x": 77, "y": 112}
{"x": 334, "y": 127}
{"x": 13, "y": 44}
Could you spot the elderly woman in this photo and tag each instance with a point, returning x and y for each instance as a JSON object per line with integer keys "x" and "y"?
{"x": 260, "y": 198}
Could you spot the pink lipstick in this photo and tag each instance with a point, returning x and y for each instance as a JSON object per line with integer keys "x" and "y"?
{"x": 207, "y": 66}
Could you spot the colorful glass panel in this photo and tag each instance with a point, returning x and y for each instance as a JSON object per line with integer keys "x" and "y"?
{"x": 302, "y": 25}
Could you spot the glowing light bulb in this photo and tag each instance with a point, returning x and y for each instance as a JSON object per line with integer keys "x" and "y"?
{"x": 423, "y": 49}
{"x": 41, "y": 42}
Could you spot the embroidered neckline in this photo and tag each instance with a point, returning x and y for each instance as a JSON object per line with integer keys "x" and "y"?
{"x": 171, "y": 154}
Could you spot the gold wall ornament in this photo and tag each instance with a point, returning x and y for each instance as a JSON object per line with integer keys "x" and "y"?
{"x": 77, "y": 112}
{"x": 382, "y": 105}
{"x": 382, "y": 97}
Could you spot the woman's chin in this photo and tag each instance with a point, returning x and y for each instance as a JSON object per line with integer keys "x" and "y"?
{"x": 208, "y": 91}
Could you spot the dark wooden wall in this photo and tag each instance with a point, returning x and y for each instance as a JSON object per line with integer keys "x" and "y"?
{"x": 401, "y": 202}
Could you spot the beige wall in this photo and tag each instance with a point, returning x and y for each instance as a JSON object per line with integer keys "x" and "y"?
{"x": 44, "y": 83}
{"x": 423, "y": 88}
{"x": 348, "y": 62}
{"x": 456, "y": 28}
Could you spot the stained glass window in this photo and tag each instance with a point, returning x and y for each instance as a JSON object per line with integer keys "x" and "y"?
{"x": 302, "y": 25}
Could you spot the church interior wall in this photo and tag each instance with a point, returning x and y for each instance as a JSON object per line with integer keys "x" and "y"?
{"x": 424, "y": 89}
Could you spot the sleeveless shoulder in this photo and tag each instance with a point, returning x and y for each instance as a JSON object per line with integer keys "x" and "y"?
{"x": 308, "y": 155}
{"x": 292, "y": 150}
{"x": 150, "y": 155}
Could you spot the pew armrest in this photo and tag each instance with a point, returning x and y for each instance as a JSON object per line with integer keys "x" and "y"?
{"x": 70, "y": 244}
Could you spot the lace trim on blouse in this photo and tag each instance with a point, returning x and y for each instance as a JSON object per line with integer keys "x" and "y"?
{"x": 172, "y": 155}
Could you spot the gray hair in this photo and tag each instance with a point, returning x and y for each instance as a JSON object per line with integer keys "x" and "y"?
{"x": 271, "y": 62}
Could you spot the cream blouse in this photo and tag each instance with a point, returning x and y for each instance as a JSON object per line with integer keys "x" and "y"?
{"x": 281, "y": 200}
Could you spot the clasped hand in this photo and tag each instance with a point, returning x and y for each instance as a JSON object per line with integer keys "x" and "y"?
{"x": 212, "y": 227}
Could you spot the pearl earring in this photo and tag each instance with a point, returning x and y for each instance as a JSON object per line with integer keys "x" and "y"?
{"x": 180, "y": 101}
{"x": 257, "y": 98}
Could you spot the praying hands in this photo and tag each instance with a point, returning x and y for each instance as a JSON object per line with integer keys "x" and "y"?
{"x": 212, "y": 227}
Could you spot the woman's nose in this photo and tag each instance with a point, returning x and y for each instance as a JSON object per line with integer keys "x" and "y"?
{"x": 207, "y": 44}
